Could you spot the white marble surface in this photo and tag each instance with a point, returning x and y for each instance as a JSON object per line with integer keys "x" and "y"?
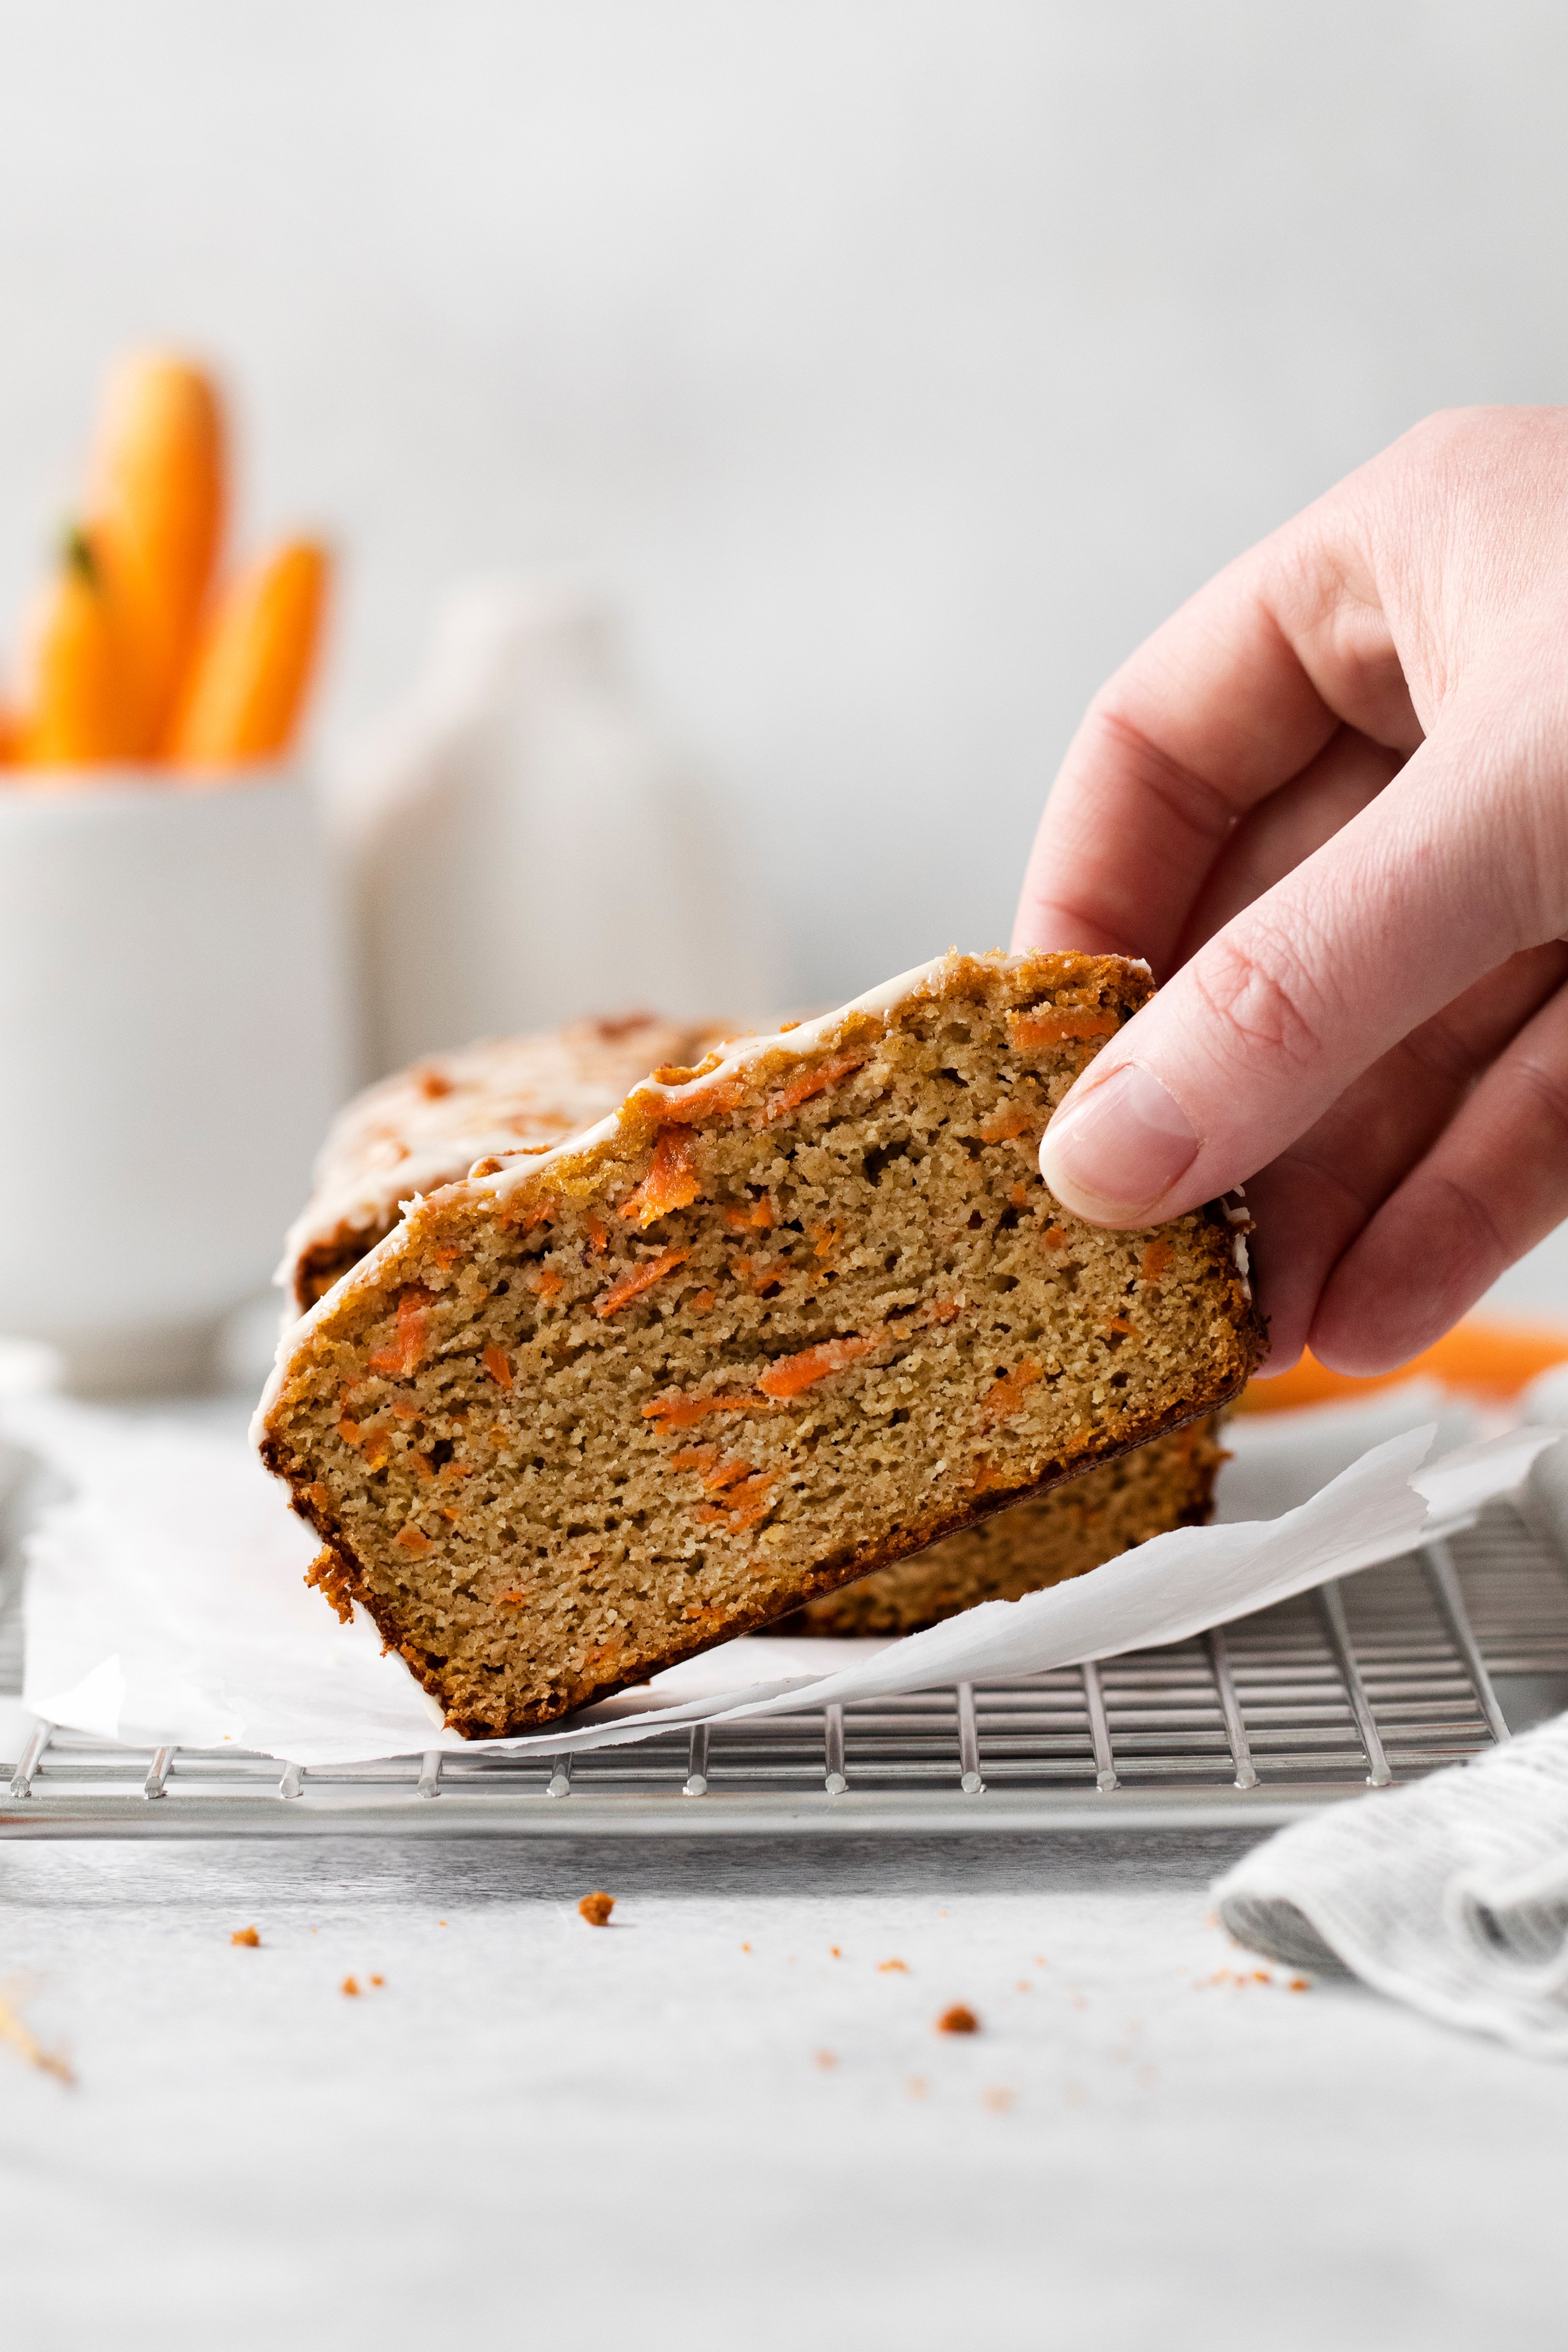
{"x": 537, "y": 2132}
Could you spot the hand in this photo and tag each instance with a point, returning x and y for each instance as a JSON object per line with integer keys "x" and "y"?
{"x": 1329, "y": 802}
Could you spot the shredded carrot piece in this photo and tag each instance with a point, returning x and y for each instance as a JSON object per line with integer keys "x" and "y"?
{"x": 378, "y": 1451}
{"x": 1052, "y": 1024}
{"x": 1007, "y": 1397}
{"x": 406, "y": 1408}
{"x": 943, "y": 1310}
{"x": 402, "y": 1353}
{"x": 349, "y": 1431}
{"x": 757, "y": 1218}
{"x": 1003, "y": 1124}
{"x": 424, "y": 1465}
{"x": 414, "y": 1540}
{"x": 546, "y": 1282}
{"x": 499, "y": 1364}
{"x": 743, "y": 1506}
{"x": 1055, "y": 1237}
{"x": 671, "y": 1183}
{"x": 1119, "y": 1323}
{"x": 678, "y": 1411}
{"x": 1019, "y": 1196}
{"x": 599, "y": 1234}
{"x": 639, "y": 1278}
{"x": 1156, "y": 1257}
{"x": 793, "y": 1374}
{"x": 808, "y": 1083}
{"x": 695, "y": 1458}
{"x": 826, "y": 1239}
{"x": 727, "y": 1474}
{"x": 447, "y": 1255}
{"x": 703, "y": 1302}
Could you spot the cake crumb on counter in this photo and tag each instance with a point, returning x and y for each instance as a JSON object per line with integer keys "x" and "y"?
{"x": 959, "y": 2019}
{"x": 596, "y": 1909}
{"x": 248, "y": 1936}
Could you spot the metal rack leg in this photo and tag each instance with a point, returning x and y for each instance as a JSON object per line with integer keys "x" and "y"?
{"x": 1099, "y": 1730}
{"x": 158, "y": 1772}
{"x": 836, "y": 1780}
{"x": 969, "y": 1781}
{"x": 1444, "y": 1578}
{"x": 32, "y": 1756}
{"x": 1230, "y": 1708}
{"x": 559, "y": 1783}
{"x": 1331, "y": 1606}
{"x": 430, "y": 1772}
{"x": 696, "y": 1762}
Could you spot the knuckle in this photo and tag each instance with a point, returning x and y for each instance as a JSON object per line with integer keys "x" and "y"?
{"x": 1257, "y": 991}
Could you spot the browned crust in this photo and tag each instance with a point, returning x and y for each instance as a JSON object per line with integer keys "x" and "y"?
{"x": 582, "y": 1174}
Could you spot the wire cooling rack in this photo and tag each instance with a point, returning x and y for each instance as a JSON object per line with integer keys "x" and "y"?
{"x": 1372, "y": 1680}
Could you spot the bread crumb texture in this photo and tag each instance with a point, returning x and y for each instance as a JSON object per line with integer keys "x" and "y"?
{"x": 790, "y": 1318}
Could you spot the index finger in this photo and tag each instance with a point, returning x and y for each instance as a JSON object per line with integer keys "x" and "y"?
{"x": 1229, "y": 700}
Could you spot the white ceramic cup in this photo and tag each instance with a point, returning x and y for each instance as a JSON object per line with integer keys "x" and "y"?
{"x": 174, "y": 1038}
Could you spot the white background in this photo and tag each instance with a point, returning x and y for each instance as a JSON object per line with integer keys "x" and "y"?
{"x": 898, "y": 363}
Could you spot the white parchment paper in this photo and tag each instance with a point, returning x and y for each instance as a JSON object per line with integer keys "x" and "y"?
{"x": 166, "y": 1602}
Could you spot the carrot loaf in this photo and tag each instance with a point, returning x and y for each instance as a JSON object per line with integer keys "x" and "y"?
{"x": 783, "y": 1320}
{"x": 427, "y": 1126}
{"x": 1089, "y": 1519}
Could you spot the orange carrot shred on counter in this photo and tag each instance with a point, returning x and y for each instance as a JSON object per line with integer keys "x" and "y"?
{"x": 1052, "y": 1024}
{"x": 638, "y": 1279}
{"x": 402, "y": 1353}
{"x": 809, "y": 1083}
{"x": 671, "y": 1183}
{"x": 499, "y": 1364}
{"x": 792, "y": 1375}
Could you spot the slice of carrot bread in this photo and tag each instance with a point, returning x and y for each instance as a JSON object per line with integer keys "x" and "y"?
{"x": 1077, "y": 1526}
{"x": 781, "y": 1321}
{"x": 425, "y": 1126}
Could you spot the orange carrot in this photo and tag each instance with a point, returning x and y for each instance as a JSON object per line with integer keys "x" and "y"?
{"x": 639, "y": 1279}
{"x": 1052, "y": 1024}
{"x": 156, "y": 505}
{"x": 247, "y": 683}
{"x": 671, "y": 1182}
{"x": 1479, "y": 1357}
{"x": 1006, "y": 1397}
{"x": 792, "y": 1375}
{"x": 79, "y": 705}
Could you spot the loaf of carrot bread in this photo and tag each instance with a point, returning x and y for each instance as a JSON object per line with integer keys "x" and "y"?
{"x": 781, "y": 1321}
{"x": 427, "y": 1126}
{"x": 1168, "y": 1482}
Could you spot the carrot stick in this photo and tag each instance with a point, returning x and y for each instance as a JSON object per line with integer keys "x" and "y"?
{"x": 247, "y": 685}
{"x": 1479, "y": 1357}
{"x": 80, "y": 704}
{"x": 156, "y": 514}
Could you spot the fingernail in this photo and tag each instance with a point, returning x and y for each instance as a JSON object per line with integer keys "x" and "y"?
{"x": 1116, "y": 1150}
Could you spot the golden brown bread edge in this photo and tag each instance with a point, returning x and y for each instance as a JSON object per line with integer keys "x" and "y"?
{"x": 617, "y": 1155}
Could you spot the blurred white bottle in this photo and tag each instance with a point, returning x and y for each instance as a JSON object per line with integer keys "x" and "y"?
{"x": 523, "y": 845}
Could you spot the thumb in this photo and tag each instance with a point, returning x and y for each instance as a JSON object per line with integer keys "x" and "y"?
{"x": 1269, "y": 1022}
